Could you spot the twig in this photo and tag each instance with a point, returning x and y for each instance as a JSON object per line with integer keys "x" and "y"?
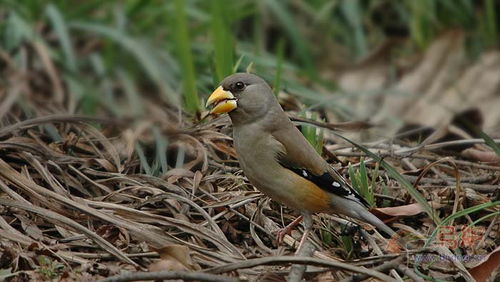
{"x": 376, "y": 259}
{"x": 69, "y": 222}
{"x": 233, "y": 208}
{"x": 440, "y": 145}
{"x": 350, "y": 125}
{"x": 108, "y": 256}
{"x": 53, "y": 118}
{"x": 391, "y": 198}
{"x": 483, "y": 188}
{"x": 486, "y": 188}
{"x": 456, "y": 142}
{"x": 297, "y": 270}
{"x": 415, "y": 156}
{"x": 168, "y": 275}
{"x": 298, "y": 260}
{"x": 405, "y": 270}
{"x": 488, "y": 230}
{"x": 378, "y": 251}
{"x": 381, "y": 268}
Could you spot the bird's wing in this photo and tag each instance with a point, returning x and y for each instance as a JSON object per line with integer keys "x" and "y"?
{"x": 300, "y": 157}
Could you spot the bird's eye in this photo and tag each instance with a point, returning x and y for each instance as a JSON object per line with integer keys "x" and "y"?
{"x": 239, "y": 85}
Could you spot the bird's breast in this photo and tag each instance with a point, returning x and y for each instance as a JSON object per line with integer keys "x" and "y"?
{"x": 257, "y": 156}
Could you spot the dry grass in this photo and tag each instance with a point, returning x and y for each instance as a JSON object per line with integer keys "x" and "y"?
{"x": 87, "y": 198}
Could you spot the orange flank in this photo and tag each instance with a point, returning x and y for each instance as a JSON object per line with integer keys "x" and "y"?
{"x": 310, "y": 197}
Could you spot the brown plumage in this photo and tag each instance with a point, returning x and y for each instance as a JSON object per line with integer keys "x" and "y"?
{"x": 276, "y": 157}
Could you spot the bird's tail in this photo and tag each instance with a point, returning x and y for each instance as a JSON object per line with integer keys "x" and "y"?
{"x": 368, "y": 217}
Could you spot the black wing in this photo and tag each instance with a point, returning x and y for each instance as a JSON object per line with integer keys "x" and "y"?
{"x": 300, "y": 157}
{"x": 328, "y": 183}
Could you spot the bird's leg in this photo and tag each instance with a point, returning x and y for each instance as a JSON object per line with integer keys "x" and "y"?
{"x": 308, "y": 222}
{"x": 287, "y": 230}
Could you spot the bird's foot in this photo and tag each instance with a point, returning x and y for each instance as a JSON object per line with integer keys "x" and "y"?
{"x": 281, "y": 233}
{"x": 287, "y": 230}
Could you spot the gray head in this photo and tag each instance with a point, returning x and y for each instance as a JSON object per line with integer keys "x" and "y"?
{"x": 246, "y": 97}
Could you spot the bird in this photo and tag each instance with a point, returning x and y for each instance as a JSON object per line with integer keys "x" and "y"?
{"x": 278, "y": 160}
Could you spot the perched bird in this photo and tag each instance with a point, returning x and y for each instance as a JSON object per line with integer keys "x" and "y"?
{"x": 278, "y": 160}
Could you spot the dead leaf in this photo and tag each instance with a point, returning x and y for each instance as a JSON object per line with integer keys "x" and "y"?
{"x": 406, "y": 210}
{"x": 174, "y": 258}
{"x": 482, "y": 156}
{"x": 116, "y": 235}
{"x": 490, "y": 263}
{"x": 179, "y": 172}
{"x": 196, "y": 181}
{"x": 224, "y": 148}
{"x": 475, "y": 197}
{"x": 393, "y": 246}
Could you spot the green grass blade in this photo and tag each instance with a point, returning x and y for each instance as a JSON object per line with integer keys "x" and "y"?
{"x": 363, "y": 177}
{"x": 490, "y": 142}
{"x": 421, "y": 23}
{"x": 311, "y": 135}
{"x": 142, "y": 158}
{"x": 153, "y": 65}
{"x": 401, "y": 180}
{"x": 374, "y": 176}
{"x": 221, "y": 39}
{"x": 131, "y": 92}
{"x": 493, "y": 214}
{"x": 347, "y": 244}
{"x": 183, "y": 50}
{"x": 181, "y": 156}
{"x": 460, "y": 214}
{"x": 161, "y": 150}
{"x": 491, "y": 21}
{"x": 284, "y": 17}
{"x": 353, "y": 177}
{"x": 477, "y": 131}
{"x": 353, "y": 14}
{"x": 59, "y": 25}
{"x": 238, "y": 63}
{"x": 359, "y": 181}
{"x": 17, "y": 29}
{"x": 106, "y": 85}
{"x": 367, "y": 192}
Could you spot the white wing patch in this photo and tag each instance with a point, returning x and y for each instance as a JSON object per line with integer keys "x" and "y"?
{"x": 330, "y": 184}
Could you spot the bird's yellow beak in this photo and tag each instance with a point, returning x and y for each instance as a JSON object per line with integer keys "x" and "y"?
{"x": 224, "y": 101}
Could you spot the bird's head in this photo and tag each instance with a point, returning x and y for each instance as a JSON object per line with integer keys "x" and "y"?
{"x": 244, "y": 96}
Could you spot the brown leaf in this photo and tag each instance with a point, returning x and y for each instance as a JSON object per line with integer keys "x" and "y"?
{"x": 197, "y": 180}
{"x": 393, "y": 246}
{"x": 224, "y": 148}
{"x": 406, "y": 210}
{"x": 482, "y": 156}
{"x": 114, "y": 234}
{"x": 483, "y": 271}
{"x": 179, "y": 172}
{"x": 174, "y": 258}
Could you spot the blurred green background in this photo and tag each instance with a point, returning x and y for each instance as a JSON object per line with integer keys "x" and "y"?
{"x": 115, "y": 55}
